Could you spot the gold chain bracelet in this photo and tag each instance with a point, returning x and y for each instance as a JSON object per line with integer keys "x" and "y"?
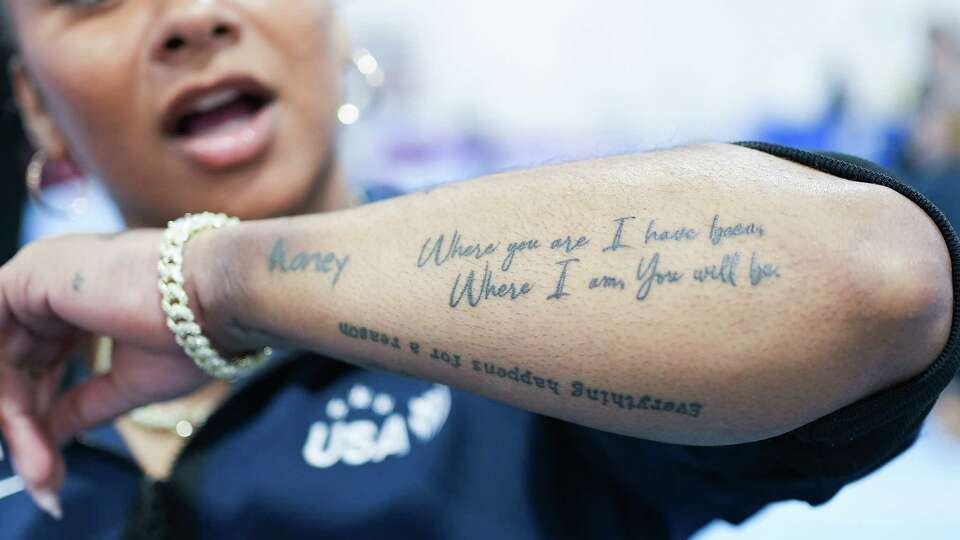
{"x": 180, "y": 318}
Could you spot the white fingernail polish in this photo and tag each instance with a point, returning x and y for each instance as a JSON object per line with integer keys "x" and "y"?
{"x": 49, "y": 502}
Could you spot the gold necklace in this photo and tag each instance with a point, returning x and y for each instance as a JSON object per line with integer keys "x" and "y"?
{"x": 175, "y": 418}
{"x": 170, "y": 417}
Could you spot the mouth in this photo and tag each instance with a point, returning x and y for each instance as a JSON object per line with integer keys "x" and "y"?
{"x": 222, "y": 125}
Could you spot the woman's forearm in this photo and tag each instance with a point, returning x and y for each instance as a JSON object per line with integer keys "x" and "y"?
{"x": 706, "y": 295}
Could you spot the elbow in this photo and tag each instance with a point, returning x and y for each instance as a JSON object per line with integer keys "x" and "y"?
{"x": 920, "y": 318}
{"x": 903, "y": 273}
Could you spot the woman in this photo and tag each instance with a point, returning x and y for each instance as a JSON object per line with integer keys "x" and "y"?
{"x": 714, "y": 327}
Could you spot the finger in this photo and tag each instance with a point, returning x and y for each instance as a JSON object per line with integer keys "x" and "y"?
{"x": 93, "y": 402}
{"x": 25, "y": 351}
{"x": 31, "y": 307}
{"x": 136, "y": 378}
{"x": 41, "y": 360}
{"x": 23, "y": 385}
{"x": 48, "y": 388}
{"x": 35, "y": 459}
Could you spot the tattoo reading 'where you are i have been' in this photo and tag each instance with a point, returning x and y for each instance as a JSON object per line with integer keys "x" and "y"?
{"x": 731, "y": 258}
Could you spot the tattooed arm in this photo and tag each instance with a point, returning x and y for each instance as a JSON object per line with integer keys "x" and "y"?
{"x": 707, "y": 295}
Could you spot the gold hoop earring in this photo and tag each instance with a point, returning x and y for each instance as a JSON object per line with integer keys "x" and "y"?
{"x": 35, "y": 174}
{"x": 361, "y": 97}
{"x": 34, "y": 179}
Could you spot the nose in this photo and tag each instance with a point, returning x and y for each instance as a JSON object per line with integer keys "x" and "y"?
{"x": 194, "y": 29}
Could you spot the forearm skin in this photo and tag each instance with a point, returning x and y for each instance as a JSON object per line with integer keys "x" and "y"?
{"x": 704, "y": 295}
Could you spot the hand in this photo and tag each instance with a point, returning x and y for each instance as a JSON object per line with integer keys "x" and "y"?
{"x": 54, "y": 294}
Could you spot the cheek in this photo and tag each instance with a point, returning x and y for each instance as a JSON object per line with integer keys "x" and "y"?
{"x": 90, "y": 98}
{"x": 309, "y": 50}
{"x": 312, "y": 69}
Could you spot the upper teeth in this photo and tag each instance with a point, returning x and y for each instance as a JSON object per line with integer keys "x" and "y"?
{"x": 212, "y": 101}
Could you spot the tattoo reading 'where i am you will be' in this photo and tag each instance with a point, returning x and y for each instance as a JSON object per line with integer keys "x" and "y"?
{"x": 728, "y": 264}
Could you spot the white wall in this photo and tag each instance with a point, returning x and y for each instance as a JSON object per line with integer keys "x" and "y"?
{"x": 660, "y": 71}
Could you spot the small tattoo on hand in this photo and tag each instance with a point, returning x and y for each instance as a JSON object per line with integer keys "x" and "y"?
{"x": 77, "y": 282}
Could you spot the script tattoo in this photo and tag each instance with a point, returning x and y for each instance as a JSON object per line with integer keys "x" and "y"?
{"x": 607, "y": 282}
{"x": 617, "y": 242}
{"x": 652, "y": 268}
{"x": 433, "y": 250}
{"x": 318, "y": 262}
{"x": 559, "y": 292}
{"x": 512, "y": 374}
{"x": 487, "y": 288}
{"x": 719, "y": 233}
{"x": 761, "y": 271}
{"x": 650, "y": 275}
{"x": 725, "y": 272}
{"x": 569, "y": 245}
{"x": 77, "y": 282}
{"x": 676, "y": 235}
{"x": 513, "y": 248}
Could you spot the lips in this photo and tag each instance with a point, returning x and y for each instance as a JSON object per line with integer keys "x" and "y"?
{"x": 226, "y": 124}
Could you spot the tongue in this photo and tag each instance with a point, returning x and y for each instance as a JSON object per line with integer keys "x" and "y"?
{"x": 220, "y": 119}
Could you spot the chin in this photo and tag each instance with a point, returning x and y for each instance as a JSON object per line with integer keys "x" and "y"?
{"x": 268, "y": 198}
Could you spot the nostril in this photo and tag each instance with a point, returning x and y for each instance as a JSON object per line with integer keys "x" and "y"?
{"x": 174, "y": 43}
{"x": 196, "y": 34}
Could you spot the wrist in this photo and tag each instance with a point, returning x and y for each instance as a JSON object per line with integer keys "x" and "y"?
{"x": 211, "y": 269}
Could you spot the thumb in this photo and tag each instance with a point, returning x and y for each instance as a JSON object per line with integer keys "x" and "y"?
{"x": 137, "y": 377}
{"x": 89, "y": 404}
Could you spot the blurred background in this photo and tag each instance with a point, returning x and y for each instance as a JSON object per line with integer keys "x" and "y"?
{"x": 471, "y": 88}
{"x": 479, "y": 86}
{"x": 476, "y": 87}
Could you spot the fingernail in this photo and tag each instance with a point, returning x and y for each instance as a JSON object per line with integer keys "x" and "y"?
{"x": 49, "y": 502}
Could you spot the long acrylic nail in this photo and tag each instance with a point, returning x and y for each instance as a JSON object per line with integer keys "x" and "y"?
{"x": 49, "y": 502}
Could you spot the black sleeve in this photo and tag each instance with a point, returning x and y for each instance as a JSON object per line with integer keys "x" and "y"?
{"x": 898, "y": 411}
{"x": 675, "y": 490}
